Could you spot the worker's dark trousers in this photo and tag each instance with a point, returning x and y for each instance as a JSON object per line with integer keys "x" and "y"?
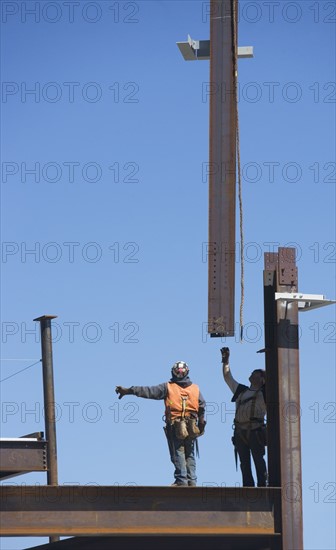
{"x": 248, "y": 443}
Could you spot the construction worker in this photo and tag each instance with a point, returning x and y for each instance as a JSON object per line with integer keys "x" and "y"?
{"x": 184, "y": 417}
{"x": 249, "y": 425}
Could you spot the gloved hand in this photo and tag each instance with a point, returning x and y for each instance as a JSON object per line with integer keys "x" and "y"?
{"x": 201, "y": 424}
{"x": 122, "y": 391}
{"x": 225, "y": 355}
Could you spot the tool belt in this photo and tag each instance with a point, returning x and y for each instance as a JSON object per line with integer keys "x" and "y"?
{"x": 244, "y": 434}
{"x": 245, "y": 431}
{"x": 186, "y": 427}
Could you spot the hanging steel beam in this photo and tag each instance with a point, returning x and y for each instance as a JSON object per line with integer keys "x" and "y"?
{"x": 222, "y": 168}
{"x": 283, "y": 393}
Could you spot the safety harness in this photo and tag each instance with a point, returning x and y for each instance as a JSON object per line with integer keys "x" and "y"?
{"x": 181, "y": 402}
{"x": 245, "y": 436}
{"x": 181, "y": 409}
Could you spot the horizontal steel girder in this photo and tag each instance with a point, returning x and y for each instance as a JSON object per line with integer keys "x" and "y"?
{"x": 19, "y": 457}
{"x": 124, "y": 542}
{"x": 114, "y": 510}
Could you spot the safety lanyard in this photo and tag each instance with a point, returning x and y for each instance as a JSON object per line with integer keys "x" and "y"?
{"x": 184, "y": 404}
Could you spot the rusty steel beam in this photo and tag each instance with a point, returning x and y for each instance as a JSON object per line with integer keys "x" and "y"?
{"x": 19, "y": 457}
{"x": 222, "y": 169}
{"x": 289, "y": 402}
{"x": 271, "y": 356}
{"x": 283, "y": 383}
{"x": 49, "y": 400}
{"x": 93, "y": 510}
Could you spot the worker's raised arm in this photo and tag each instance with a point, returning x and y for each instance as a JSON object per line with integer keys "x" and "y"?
{"x": 231, "y": 382}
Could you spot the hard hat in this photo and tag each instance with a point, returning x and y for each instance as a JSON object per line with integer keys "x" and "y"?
{"x": 180, "y": 369}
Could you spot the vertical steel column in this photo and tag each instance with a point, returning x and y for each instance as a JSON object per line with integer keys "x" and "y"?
{"x": 283, "y": 385}
{"x": 222, "y": 176}
{"x": 271, "y": 357}
{"x": 49, "y": 401}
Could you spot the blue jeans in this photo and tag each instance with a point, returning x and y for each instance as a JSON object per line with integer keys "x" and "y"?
{"x": 184, "y": 461}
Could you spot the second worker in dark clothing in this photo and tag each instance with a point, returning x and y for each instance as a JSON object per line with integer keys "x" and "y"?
{"x": 249, "y": 432}
{"x": 184, "y": 415}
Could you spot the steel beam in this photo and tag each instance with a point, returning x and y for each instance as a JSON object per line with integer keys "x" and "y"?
{"x": 112, "y": 510}
{"x": 49, "y": 396}
{"x": 22, "y": 455}
{"x": 283, "y": 387}
{"x": 239, "y": 542}
{"x": 272, "y": 377}
{"x": 49, "y": 400}
{"x": 222, "y": 169}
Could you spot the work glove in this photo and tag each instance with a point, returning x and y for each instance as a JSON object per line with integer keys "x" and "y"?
{"x": 225, "y": 355}
{"x": 122, "y": 391}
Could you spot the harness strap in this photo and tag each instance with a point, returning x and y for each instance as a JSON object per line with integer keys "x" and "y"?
{"x": 252, "y": 414}
{"x": 253, "y": 398}
{"x": 241, "y": 435}
{"x": 184, "y": 405}
{"x": 243, "y": 401}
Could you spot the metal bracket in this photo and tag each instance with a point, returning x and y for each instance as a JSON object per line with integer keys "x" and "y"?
{"x": 305, "y": 301}
{"x": 199, "y": 50}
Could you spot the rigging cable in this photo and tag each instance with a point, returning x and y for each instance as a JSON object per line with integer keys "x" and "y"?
{"x": 18, "y": 372}
{"x": 240, "y": 194}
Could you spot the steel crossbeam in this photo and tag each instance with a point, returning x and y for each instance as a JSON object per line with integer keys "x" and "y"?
{"x": 124, "y": 542}
{"x": 21, "y": 456}
{"x": 113, "y": 510}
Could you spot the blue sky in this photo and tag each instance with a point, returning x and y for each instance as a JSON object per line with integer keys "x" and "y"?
{"x": 104, "y": 223}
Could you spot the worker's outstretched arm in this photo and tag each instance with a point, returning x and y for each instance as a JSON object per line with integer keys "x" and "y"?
{"x": 147, "y": 392}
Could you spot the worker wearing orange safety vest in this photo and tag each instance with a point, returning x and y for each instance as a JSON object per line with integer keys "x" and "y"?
{"x": 184, "y": 417}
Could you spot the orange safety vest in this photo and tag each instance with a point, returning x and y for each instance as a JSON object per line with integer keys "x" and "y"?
{"x": 173, "y": 401}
